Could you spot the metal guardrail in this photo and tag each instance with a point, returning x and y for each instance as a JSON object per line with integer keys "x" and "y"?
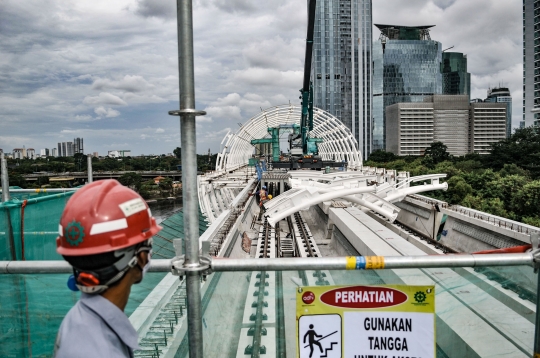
{"x": 495, "y": 220}
{"x": 98, "y": 173}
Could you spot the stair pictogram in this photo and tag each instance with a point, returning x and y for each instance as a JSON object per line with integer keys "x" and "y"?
{"x": 328, "y": 349}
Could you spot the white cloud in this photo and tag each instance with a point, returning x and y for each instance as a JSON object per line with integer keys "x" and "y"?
{"x": 165, "y": 9}
{"x": 104, "y": 98}
{"x": 225, "y": 112}
{"x": 106, "y": 112}
{"x": 82, "y": 118}
{"x": 204, "y": 119}
{"x": 127, "y": 83}
{"x": 160, "y": 130}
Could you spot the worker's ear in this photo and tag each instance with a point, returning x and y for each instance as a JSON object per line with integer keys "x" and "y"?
{"x": 142, "y": 258}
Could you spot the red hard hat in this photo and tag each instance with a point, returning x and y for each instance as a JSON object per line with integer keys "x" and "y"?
{"x": 104, "y": 216}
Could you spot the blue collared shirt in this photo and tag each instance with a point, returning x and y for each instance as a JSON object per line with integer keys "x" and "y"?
{"x": 95, "y": 327}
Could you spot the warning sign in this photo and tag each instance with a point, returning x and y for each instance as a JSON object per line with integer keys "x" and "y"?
{"x": 392, "y": 321}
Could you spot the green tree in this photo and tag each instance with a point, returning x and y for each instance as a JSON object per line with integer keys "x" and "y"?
{"x": 446, "y": 167}
{"x": 526, "y": 201}
{"x": 380, "y": 156}
{"x": 521, "y": 149}
{"x": 438, "y": 152}
{"x": 178, "y": 152}
{"x": 458, "y": 189}
{"x": 17, "y": 180}
{"x": 468, "y": 165}
{"x": 131, "y": 180}
{"x": 479, "y": 178}
{"x": 513, "y": 169}
{"x": 165, "y": 187}
{"x": 43, "y": 180}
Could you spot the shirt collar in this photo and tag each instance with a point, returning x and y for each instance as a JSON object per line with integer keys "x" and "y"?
{"x": 113, "y": 317}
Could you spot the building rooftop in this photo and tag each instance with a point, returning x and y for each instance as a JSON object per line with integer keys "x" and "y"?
{"x": 400, "y": 32}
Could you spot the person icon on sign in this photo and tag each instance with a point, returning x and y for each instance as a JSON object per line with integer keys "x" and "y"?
{"x": 311, "y": 335}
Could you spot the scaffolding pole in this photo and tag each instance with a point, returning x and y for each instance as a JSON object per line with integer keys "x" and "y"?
{"x": 187, "y": 115}
{"x": 5, "y": 199}
{"x": 5, "y": 178}
{"x": 89, "y": 168}
{"x": 299, "y": 264}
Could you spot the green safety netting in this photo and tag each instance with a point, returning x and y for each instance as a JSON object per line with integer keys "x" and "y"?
{"x": 173, "y": 228}
{"x": 33, "y": 238}
{"x": 33, "y": 306}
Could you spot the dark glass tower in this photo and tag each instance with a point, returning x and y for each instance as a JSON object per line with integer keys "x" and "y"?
{"x": 455, "y": 78}
{"x": 406, "y": 68}
{"x": 341, "y": 70}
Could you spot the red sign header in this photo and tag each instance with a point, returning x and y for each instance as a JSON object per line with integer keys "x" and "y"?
{"x": 363, "y": 297}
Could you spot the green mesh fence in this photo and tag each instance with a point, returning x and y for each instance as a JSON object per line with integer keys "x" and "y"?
{"x": 173, "y": 228}
{"x": 33, "y": 306}
{"x": 33, "y": 238}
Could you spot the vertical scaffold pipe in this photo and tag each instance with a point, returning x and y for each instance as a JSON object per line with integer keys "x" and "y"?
{"x": 535, "y": 238}
{"x": 89, "y": 168}
{"x": 5, "y": 178}
{"x": 187, "y": 115}
{"x": 5, "y": 198}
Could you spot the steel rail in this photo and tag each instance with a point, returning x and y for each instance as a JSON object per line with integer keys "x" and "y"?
{"x": 310, "y": 263}
{"x": 303, "y": 232}
{"x": 257, "y": 334}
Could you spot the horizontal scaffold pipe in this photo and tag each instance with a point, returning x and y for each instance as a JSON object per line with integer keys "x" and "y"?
{"x": 44, "y": 190}
{"x": 294, "y": 264}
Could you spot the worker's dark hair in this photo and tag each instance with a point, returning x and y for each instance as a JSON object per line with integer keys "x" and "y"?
{"x": 92, "y": 262}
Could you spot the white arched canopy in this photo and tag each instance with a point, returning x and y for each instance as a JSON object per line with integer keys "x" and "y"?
{"x": 338, "y": 141}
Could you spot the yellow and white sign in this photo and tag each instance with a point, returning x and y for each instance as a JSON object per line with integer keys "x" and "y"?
{"x": 384, "y": 321}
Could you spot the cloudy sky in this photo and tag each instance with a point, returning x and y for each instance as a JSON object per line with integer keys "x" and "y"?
{"x": 107, "y": 71}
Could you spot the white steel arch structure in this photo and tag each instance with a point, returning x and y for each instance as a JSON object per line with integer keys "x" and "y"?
{"x": 338, "y": 142}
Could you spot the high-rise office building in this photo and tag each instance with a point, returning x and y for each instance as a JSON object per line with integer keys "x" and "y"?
{"x": 63, "y": 152}
{"x": 18, "y": 153}
{"x": 502, "y": 95}
{"x": 455, "y": 78}
{"x": 406, "y": 68}
{"x": 462, "y": 126}
{"x": 487, "y": 123}
{"x": 54, "y": 152}
{"x": 342, "y": 61}
{"x": 531, "y": 63}
{"x": 70, "y": 149}
{"x": 31, "y": 153}
{"x": 78, "y": 146}
{"x": 59, "y": 150}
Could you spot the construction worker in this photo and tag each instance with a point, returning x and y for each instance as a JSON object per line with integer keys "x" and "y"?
{"x": 263, "y": 195}
{"x": 105, "y": 233}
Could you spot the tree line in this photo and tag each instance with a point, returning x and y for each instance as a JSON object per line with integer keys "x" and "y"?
{"x": 505, "y": 182}
{"x": 78, "y": 163}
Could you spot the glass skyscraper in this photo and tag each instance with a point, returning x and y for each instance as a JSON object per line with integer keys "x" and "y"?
{"x": 455, "y": 78}
{"x": 531, "y": 63}
{"x": 406, "y": 68}
{"x": 341, "y": 70}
